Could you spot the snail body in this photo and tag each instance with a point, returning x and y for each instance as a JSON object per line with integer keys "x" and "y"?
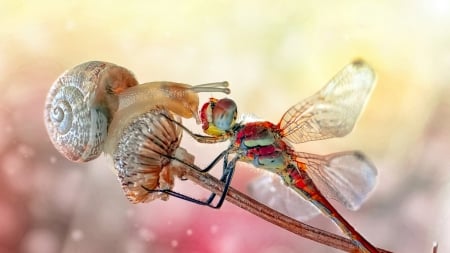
{"x": 181, "y": 99}
{"x": 99, "y": 107}
{"x": 137, "y": 155}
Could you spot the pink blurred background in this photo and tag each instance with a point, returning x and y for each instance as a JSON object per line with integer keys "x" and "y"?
{"x": 274, "y": 55}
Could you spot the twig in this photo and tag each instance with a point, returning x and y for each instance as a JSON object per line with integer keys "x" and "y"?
{"x": 245, "y": 202}
{"x": 435, "y": 247}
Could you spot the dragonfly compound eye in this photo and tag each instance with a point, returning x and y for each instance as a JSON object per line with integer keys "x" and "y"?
{"x": 224, "y": 114}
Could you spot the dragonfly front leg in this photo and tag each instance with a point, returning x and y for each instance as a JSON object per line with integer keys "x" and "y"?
{"x": 198, "y": 137}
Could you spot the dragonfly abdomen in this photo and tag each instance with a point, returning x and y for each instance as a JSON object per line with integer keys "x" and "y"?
{"x": 300, "y": 182}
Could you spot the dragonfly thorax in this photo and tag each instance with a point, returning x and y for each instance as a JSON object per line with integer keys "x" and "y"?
{"x": 259, "y": 143}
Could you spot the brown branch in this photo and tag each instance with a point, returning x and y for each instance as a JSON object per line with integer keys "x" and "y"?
{"x": 245, "y": 202}
{"x": 435, "y": 247}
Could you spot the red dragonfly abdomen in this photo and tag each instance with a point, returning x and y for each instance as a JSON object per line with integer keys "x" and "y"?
{"x": 299, "y": 181}
{"x": 260, "y": 144}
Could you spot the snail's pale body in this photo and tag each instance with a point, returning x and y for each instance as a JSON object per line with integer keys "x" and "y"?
{"x": 137, "y": 156}
{"x": 178, "y": 98}
{"x": 99, "y": 107}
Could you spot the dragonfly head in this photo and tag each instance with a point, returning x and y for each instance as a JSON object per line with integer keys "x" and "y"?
{"x": 218, "y": 116}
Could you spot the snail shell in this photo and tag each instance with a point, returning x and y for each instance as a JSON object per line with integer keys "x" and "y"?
{"x": 79, "y": 106}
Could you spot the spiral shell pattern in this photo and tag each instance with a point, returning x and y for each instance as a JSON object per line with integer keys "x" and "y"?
{"x": 79, "y": 106}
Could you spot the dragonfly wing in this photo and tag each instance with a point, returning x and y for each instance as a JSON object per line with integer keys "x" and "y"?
{"x": 333, "y": 111}
{"x": 347, "y": 177}
{"x": 271, "y": 191}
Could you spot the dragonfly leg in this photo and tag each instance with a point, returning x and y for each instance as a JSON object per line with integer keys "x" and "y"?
{"x": 226, "y": 178}
{"x": 227, "y": 175}
{"x": 195, "y": 167}
{"x": 180, "y": 196}
{"x": 222, "y": 179}
{"x": 198, "y": 137}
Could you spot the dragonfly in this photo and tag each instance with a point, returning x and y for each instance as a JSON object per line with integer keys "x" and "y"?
{"x": 347, "y": 177}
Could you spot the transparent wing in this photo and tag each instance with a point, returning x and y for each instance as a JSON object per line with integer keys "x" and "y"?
{"x": 271, "y": 191}
{"x": 347, "y": 177}
{"x": 248, "y": 117}
{"x": 333, "y": 111}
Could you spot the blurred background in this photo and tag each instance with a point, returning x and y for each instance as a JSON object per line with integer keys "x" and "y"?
{"x": 273, "y": 55}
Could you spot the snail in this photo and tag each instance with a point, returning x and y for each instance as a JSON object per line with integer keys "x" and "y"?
{"x": 98, "y": 107}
